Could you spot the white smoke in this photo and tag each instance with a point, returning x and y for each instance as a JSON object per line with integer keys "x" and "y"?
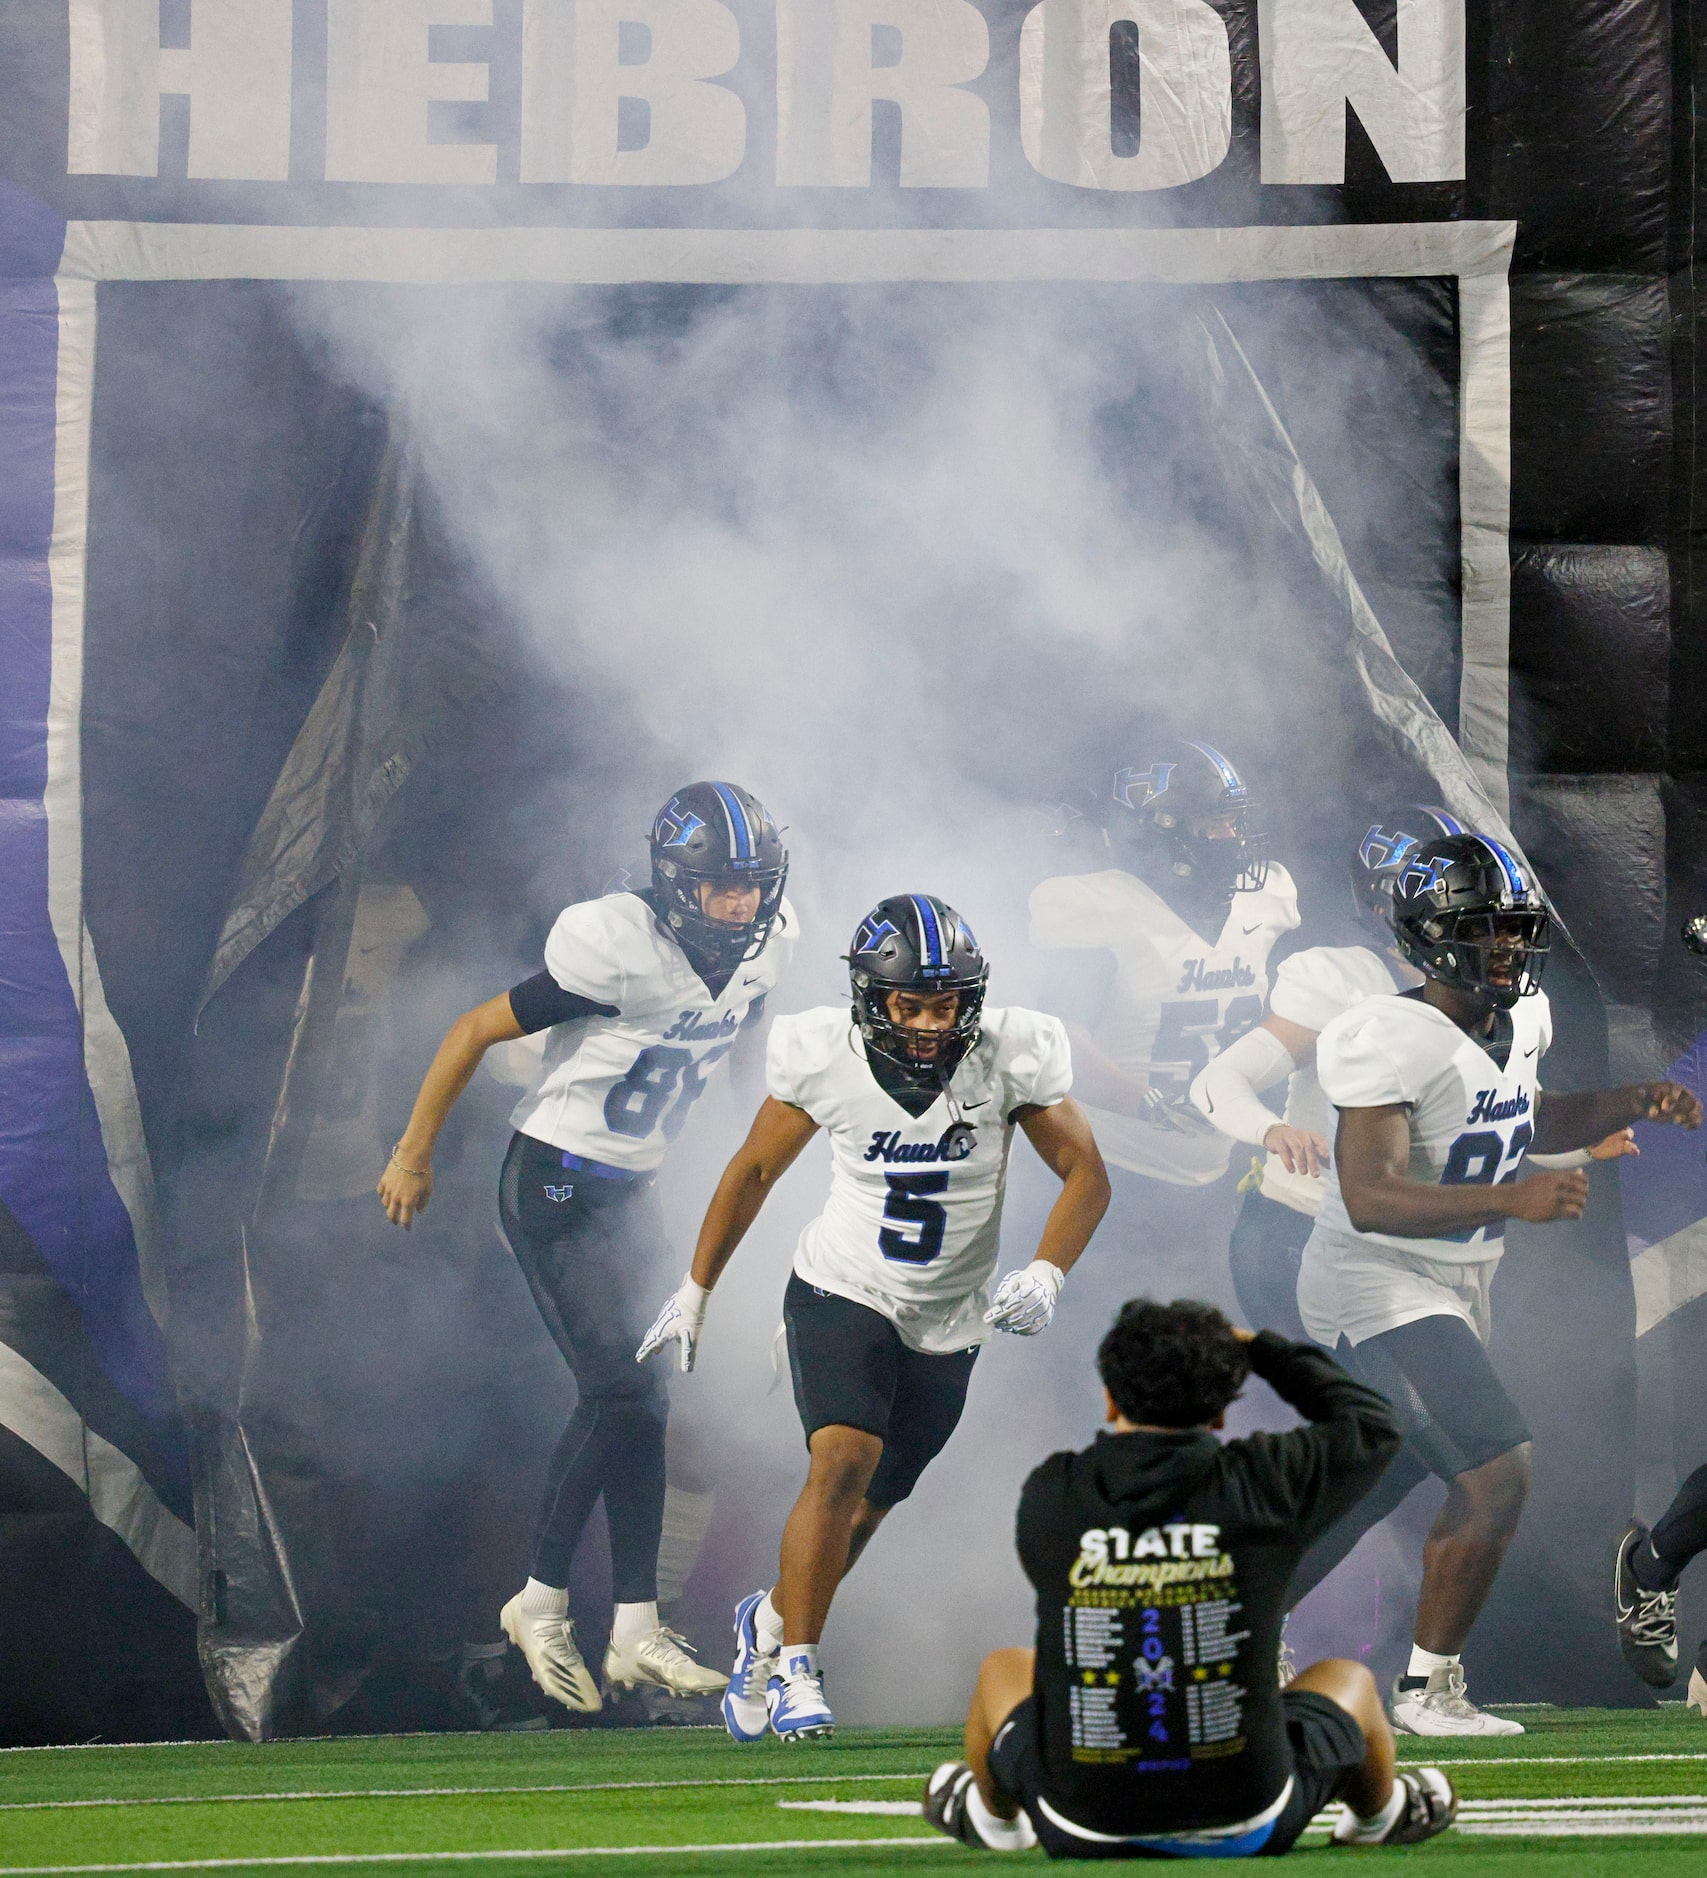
{"x": 899, "y": 559}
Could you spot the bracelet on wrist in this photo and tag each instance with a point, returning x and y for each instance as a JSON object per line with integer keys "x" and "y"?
{"x": 403, "y": 1167}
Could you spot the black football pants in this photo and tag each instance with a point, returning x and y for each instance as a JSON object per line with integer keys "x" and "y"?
{"x": 595, "y": 1257}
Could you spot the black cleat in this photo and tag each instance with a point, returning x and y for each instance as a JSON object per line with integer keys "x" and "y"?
{"x": 1431, "y": 1805}
{"x": 945, "y": 1803}
{"x": 1428, "y": 1805}
{"x": 1647, "y": 1620}
{"x": 497, "y": 1694}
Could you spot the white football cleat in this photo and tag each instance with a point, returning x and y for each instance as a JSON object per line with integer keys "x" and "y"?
{"x": 1697, "y": 1696}
{"x": 798, "y": 1709}
{"x": 557, "y": 1666}
{"x": 1440, "y": 1707}
{"x": 746, "y": 1711}
{"x": 660, "y": 1658}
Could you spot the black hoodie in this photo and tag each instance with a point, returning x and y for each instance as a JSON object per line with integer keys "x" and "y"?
{"x": 1161, "y": 1564}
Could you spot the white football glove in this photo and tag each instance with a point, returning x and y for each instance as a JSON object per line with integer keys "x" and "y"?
{"x": 679, "y": 1322}
{"x": 1025, "y": 1301}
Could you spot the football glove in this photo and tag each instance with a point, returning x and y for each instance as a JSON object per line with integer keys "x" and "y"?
{"x": 679, "y": 1322}
{"x": 1156, "y": 1109}
{"x": 1025, "y": 1301}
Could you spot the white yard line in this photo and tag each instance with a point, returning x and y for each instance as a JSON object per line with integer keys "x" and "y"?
{"x": 410, "y": 1793}
{"x": 440, "y": 1858}
{"x": 1546, "y": 1760}
{"x": 770, "y": 1780}
{"x": 897, "y": 1808}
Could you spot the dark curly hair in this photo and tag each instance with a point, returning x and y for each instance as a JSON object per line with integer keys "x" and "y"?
{"x": 1172, "y": 1365}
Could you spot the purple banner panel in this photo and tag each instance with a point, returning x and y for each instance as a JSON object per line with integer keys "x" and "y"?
{"x": 53, "y": 1166}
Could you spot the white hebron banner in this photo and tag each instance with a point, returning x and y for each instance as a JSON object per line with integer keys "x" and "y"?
{"x": 397, "y": 71}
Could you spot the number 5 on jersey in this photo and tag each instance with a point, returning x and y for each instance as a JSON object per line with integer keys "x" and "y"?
{"x": 911, "y": 1204}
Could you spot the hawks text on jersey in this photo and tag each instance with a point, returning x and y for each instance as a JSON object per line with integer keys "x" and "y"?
{"x": 910, "y": 1228}
{"x": 1471, "y": 1118}
{"x": 1176, "y": 1000}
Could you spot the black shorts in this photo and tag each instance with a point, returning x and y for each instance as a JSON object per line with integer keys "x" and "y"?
{"x": 851, "y": 1370}
{"x": 596, "y": 1258}
{"x": 1327, "y": 1749}
{"x": 1444, "y": 1390}
{"x": 1266, "y": 1251}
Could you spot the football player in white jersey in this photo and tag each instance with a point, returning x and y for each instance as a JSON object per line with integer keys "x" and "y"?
{"x": 1439, "y": 1104}
{"x": 1310, "y": 988}
{"x": 1178, "y": 929}
{"x": 890, "y": 1294}
{"x": 642, "y": 996}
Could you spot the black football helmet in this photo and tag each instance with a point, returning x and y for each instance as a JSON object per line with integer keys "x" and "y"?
{"x": 916, "y": 942}
{"x": 1192, "y": 807}
{"x": 1384, "y": 849}
{"x": 716, "y": 832}
{"x": 1466, "y": 913}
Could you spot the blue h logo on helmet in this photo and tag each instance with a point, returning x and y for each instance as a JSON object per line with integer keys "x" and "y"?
{"x": 676, "y": 825}
{"x": 872, "y": 934}
{"x": 1381, "y": 849}
{"x": 1154, "y": 779}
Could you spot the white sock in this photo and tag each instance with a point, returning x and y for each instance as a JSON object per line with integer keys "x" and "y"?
{"x": 1354, "y": 1829}
{"x": 632, "y": 1622}
{"x": 800, "y": 1659}
{"x": 544, "y": 1600}
{"x": 687, "y": 1519}
{"x": 1425, "y": 1662}
{"x": 767, "y": 1624}
{"x": 1000, "y": 1835}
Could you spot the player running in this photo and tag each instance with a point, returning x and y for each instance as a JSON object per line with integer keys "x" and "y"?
{"x": 1161, "y": 958}
{"x": 890, "y": 1293}
{"x": 1645, "y": 1571}
{"x": 1310, "y": 989}
{"x": 1439, "y": 1103}
{"x": 643, "y": 994}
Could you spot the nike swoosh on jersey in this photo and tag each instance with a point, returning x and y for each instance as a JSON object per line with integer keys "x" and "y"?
{"x": 748, "y": 981}
{"x": 1528, "y": 1053}
{"x": 1248, "y": 930}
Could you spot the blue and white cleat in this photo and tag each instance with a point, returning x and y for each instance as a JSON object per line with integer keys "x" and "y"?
{"x": 798, "y": 1710}
{"x": 746, "y": 1713}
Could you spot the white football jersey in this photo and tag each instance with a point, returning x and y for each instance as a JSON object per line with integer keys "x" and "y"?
{"x": 618, "y": 1089}
{"x": 1471, "y": 1121}
{"x": 915, "y": 1206}
{"x": 1311, "y": 989}
{"x": 1177, "y": 999}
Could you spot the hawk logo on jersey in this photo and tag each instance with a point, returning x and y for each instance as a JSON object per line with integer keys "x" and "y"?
{"x": 954, "y": 1144}
{"x": 676, "y": 825}
{"x": 1488, "y": 1110}
{"x": 689, "y": 1029}
{"x": 1230, "y": 978}
{"x": 1154, "y": 780}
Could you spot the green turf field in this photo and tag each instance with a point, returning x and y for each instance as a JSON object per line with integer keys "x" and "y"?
{"x": 1580, "y": 1793}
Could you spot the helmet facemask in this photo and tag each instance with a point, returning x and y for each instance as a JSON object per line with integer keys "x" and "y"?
{"x": 1498, "y": 956}
{"x": 1193, "y": 813}
{"x": 919, "y": 946}
{"x": 905, "y": 1045}
{"x": 718, "y": 945}
{"x": 718, "y": 836}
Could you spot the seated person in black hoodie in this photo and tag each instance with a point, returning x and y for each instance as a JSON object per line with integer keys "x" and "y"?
{"x": 1148, "y": 1722}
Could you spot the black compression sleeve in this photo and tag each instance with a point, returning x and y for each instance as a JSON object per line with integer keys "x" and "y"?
{"x": 540, "y": 1001}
